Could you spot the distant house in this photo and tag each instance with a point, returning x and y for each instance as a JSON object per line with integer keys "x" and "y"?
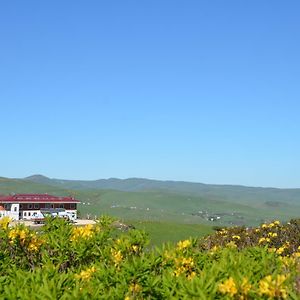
{"x": 22, "y": 206}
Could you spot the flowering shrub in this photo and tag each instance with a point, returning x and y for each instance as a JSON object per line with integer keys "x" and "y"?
{"x": 282, "y": 239}
{"x": 62, "y": 261}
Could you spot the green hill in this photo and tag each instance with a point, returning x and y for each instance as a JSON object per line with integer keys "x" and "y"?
{"x": 231, "y": 193}
{"x": 167, "y": 201}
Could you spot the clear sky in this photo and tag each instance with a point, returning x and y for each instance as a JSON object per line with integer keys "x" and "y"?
{"x": 205, "y": 91}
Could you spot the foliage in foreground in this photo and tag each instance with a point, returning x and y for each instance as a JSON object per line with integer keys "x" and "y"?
{"x": 94, "y": 262}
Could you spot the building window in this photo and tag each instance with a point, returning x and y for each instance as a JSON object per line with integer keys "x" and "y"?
{"x": 36, "y": 206}
{"x": 21, "y": 206}
{"x": 25, "y": 214}
{"x": 72, "y": 206}
{"x": 15, "y": 208}
{"x": 30, "y": 206}
{"x": 52, "y": 205}
{"x": 29, "y": 214}
{"x": 61, "y": 206}
{"x": 6, "y": 206}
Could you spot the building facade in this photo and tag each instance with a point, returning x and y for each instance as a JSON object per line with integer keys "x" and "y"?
{"x": 23, "y": 206}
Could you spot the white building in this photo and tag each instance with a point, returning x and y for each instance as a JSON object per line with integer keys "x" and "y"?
{"x": 23, "y": 206}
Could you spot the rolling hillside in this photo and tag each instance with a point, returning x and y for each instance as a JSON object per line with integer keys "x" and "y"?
{"x": 231, "y": 193}
{"x": 155, "y": 201}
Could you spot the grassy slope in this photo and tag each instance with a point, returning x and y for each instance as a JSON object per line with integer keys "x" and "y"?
{"x": 231, "y": 193}
{"x": 8, "y": 186}
{"x": 167, "y": 215}
{"x": 170, "y": 207}
{"x": 160, "y": 232}
{"x": 161, "y": 205}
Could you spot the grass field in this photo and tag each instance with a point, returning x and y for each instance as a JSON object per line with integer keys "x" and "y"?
{"x": 156, "y": 206}
{"x": 161, "y": 232}
{"x": 165, "y": 215}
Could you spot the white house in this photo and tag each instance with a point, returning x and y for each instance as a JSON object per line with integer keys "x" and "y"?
{"x": 22, "y": 206}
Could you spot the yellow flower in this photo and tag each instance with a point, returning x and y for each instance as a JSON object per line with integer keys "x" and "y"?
{"x": 188, "y": 261}
{"x": 135, "y": 288}
{"x": 264, "y": 226}
{"x": 280, "y": 279}
{"x": 272, "y": 234}
{"x": 87, "y": 230}
{"x": 245, "y": 286}
{"x": 262, "y": 240}
{"x": 117, "y": 256}
{"x": 12, "y": 235}
{"x": 22, "y": 234}
{"x": 231, "y": 245}
{"x": 179, "y": 271}
{"x": 280, "y": 250}
{"x": 184, "y": 266}
{"x": 34, "y": 244}
{"x": 32, "y": 247}
{"x": 181, "y": 245}
{"x": 236, "y": 237}
{"x": 84, "y": 232}
{"x": 264, "y": 286}
{"x": 4, "y": 222}
{"x": 228, "y": 287}
{"x": 86, "y": 274}
{"x": 214, "y": 249}
{"x": 191, "y": 275}
{"x": 276, "y": 222}
{"x": 135, "y": 248}
{"x": 287, "y": 261}
{"x": 273, "y": 287}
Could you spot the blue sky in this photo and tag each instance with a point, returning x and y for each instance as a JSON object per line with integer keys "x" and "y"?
{"x": 204, "y": 91}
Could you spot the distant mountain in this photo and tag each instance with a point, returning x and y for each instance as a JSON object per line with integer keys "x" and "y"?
{"x": 39, "y": 179}
{"x": 232, "y": 193}
{"x": 174, "y": 201}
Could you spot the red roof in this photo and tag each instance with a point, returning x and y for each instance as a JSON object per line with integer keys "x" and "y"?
{"x": 36, "y": 198}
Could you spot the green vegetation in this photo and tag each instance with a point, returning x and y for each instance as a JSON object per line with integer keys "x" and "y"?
{"x": 229, "y": 193}
{"x": 93, "y": 262}
{"x": 161, "y": 232}
{"x": 169, "y": 211}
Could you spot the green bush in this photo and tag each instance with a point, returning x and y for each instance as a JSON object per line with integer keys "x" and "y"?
{"x": 62, "y": 261}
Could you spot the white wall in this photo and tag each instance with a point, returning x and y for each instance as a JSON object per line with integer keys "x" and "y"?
{"x": 27, "y": 214}
{"x": 13, "y": 212}
{"x": 72, "y": 211}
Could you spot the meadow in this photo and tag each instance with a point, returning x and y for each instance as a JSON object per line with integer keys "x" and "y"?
{"x": 168, "y": 211}
{"x": 164, "y": 232}
{"x": 226, "y": 205}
